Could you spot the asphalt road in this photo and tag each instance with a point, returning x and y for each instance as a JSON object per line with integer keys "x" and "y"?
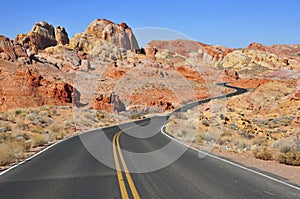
{"x": 149, "y": 165}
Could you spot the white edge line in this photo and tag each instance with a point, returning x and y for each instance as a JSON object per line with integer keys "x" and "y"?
{"x": 229, "y": 162}
{"x": 52, "y": 145}
{"x": 164, "y": 133}
{"x": 49, "y": 147}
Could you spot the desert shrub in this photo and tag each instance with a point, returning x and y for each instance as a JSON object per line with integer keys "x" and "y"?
{"x": 224, "y": 140}
{"x": 4, "y": 127}
{"x": 44, "y": 114}
{"x": 6, "y": 154}
{"x": 260, "y": 141}
{"x": 57, "y": 132}
{"x": 100, "y": 116}
{"x": 68, "y": 124}
{"x": 54, "y": 112}
{"x": 55, "y": 128}
{"x": 290, "y": 158}
{"x": 11, "y": 151}
{"x": 21, "y": 125}
{"x": 199, "y": 140}
{"x": 39, "y": 139}
{"x": 212, "y": 135}
{"x": 91, "y": 116}
{"x": 263, "y": 154}
{"x": 37, "y": 129}
{"x": 184, "y": 132}
{"x": 11, "y": 117}
{"x": 241, "y": 143}
{"x": 18, "y": 112}
{"x": 26, "y": 136}
{"x": 284, "y": 146}
{"x": 32, "y": 116}
{"x": 59, "y": 135}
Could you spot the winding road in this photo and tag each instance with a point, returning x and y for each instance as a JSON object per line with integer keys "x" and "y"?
{"x": 137, "y": 160}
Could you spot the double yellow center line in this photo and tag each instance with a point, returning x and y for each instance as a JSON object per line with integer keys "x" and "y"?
{"x": 118, "y": 154}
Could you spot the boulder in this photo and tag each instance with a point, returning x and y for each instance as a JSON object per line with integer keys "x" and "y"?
{"x": 150, "y": 51}
{"x": 61, "y": 35}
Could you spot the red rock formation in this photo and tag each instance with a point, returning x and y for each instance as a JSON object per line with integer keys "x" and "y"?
{"x": 258, "y": 46}
{"x": 10, "y": 50}
{"x": 7, "y": 48}
{"x": 185, "y": 47}
{"x": 190, "y": 74}
{"x": 26, "y": 88}
{"x": 233, "y": 74}
{"x": 108, "y": 102}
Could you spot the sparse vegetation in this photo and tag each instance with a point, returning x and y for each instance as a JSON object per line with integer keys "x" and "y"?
{"x": 11, "y": 151}
{"x": 263, "y": 154}
{"x": 39, "y": 139}
{"x": 23, "y": 130}
{"x": 290, "y": 158}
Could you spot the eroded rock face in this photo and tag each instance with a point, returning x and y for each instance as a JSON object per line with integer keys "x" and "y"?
{"x": 62, "y": 57}
{"x": 61, "y": 35}
{"x": 43, "y": 35}
{"x": 26, "y": 88}
{"x": 247, "y": 59}
{"x": 150, "y": 51}
{"x": 7, "y": 48}
{"x": 10, "y": 50}
{"x": 232, "y": 74}
{"x": 103, "y": 37}
{"x": 109, "y": 102}
{"x": 188, "y": 48}
{"x": 118, "y": 34}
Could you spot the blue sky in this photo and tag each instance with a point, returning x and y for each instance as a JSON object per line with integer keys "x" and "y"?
{"x": 232, "y": 23}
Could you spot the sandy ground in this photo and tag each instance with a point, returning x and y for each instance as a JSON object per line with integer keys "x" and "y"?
{"x": 290, "y": 173}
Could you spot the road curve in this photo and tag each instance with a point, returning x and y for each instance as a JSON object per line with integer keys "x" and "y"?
{"x": 68, "y": 170}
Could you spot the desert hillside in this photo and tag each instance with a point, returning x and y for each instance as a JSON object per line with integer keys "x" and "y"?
{"x": 101, "y": 77}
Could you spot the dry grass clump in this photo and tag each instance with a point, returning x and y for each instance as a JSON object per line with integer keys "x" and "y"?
{"x": 39, "y": 139}
{"x": 11, "y": 151}
{"x": 263, "y": 154}
{"x": 290, "y": 158}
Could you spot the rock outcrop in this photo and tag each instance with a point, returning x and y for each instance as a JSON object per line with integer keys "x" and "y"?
{"x": 249, "y": 59}
{"x": 104, "y": 38}
{"x": 188, "y": 48}
{"x": 61, "y": 35}
{"x": 26, "y": 88}
{"x": 10, "y": 50}
{"x": 109, "y": 102}
{"x": 7, "y": 50}
{"x": 61, "y": 57}
{"x": 118, "y": 34}
{"x": 232, "y": 74}
{"x": 43, "y": 35}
